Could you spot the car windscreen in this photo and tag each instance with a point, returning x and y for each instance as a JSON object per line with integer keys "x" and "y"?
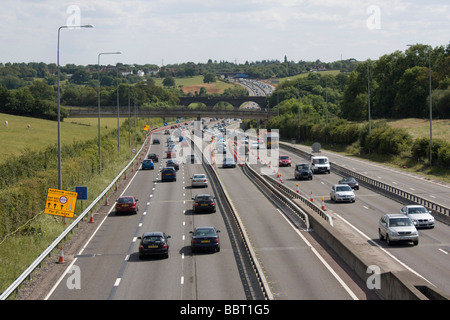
{"x": 417, "y": 210}
{"x": 343, "y": 188}
{"x": 400, "y": 222}
{"x": 320, "y": 161}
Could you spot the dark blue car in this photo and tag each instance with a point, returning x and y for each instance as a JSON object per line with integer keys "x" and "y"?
{"x": 168, "y": 174}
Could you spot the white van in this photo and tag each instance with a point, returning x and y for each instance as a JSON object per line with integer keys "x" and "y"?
{"x": 320, "y": 164}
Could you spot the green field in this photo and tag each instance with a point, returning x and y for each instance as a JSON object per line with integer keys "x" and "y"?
{"x": 191, "y": 84}
{"x": 17, "y": 138}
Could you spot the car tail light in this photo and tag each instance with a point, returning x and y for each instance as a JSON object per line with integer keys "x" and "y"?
{"x": 216, "y": 240}
{"x": 141, "y": 247}
{"x": 194, "y": 241}
{"x": 195, "y": 204}
{"x": 164, "y": 246}
{"x": 213, "y": 204}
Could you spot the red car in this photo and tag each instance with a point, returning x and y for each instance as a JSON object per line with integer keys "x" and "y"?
{"x": 285, "y": 161}
{"x": 127, "y": 204}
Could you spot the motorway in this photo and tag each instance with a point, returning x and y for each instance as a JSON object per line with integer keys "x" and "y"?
{"x": 296, "y": 263}
{"x": 430, "y": 259}
{"x": 109, "y": 263}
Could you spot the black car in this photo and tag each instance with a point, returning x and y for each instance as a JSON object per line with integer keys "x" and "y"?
{"x": 168, "y": 174}
{"x": 154, "y": 157}
{"x": 174, "y": 164}
{"x": 156, "y": 141}
{"x": 154, "y": 243}
{"x": 303, "y": 171}
{"x": 205, "y": 238}
{"x": 351, "y": 182}
{"x": 203, "y": 202}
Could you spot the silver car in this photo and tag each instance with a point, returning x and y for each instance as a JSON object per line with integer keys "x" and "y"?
{"x": 397, "y": 227}
{"x": 419, "y": 215}
{"x": 342, "y": 192}
{"x": 199, "y": 180}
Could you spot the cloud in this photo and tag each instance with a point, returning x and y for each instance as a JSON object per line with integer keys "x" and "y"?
{"x": 193, "y": 30}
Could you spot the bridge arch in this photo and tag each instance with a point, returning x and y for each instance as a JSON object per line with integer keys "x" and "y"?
{"x": 235, "y": 102}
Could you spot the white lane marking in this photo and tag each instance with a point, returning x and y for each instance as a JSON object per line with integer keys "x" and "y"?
{"x": 443, "y": 251}
{"x": 349, "y": 291}
{"x": 116, "y": 284}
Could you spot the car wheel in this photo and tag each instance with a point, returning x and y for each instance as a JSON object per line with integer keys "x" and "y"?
{"x": 380, "y": 236}
{"x": 388, "y": 241}
{"x": 416, "y": 242}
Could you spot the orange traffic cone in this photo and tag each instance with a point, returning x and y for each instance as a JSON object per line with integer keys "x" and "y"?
{"x": 61, "y": 256}
{"x": 91, "y": 219}
{"x": 323, "y": 204}
{"x": 311, "y": 198}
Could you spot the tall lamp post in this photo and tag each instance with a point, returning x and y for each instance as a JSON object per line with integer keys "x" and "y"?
{"x": 99, "y": 142}
{"x": 59, "y": 102}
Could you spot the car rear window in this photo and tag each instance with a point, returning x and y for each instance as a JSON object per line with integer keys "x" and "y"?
{"x": 125, "y": 200}
{"x": 152, "y": 239}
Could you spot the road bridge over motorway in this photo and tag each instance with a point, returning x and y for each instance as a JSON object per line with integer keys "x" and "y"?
{"x": 242, "y": 113}
{"x": 235, "y": 102}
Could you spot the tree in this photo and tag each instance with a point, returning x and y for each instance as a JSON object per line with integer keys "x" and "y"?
{"x": 169, "y": 82}
{"x": 209, "y": 77}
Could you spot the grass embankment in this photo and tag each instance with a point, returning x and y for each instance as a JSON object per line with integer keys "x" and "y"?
{"x": 417, "y": 128}
{"x": 31, "y": 155}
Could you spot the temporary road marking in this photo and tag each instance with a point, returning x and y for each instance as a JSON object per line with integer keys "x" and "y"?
{"x": 116, "y": 284}
{"x": 443, "y": 251}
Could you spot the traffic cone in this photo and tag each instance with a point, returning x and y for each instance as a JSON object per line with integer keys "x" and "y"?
{"x": 311, "y": 198}
{"x": 323, "y": 204}
{"x": 91, "y": 219}
{"x": 61, "y": 256}
{"x": 298, "y": 190}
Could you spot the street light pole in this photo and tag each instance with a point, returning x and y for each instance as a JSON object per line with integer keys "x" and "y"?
{"x": 59, "y": 102}
{"x": 99, "y": 142}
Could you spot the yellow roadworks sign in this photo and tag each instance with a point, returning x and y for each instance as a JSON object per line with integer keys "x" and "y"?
{"x": 60, "y": 202}
{"x": 146, "y": 128}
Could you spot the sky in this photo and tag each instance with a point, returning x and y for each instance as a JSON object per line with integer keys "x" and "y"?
{"x": 166, "y": 32}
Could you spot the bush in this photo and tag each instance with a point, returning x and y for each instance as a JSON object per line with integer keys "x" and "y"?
{"x": 420, "y": 148}
{"x": 444, "y": 156}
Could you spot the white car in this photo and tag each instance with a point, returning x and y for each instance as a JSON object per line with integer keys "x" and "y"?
{"x": 199, "y": 180}
{"x": 397, "y": 227}
{"x": 342, "y": 192}
{"x": 419, "y": 215}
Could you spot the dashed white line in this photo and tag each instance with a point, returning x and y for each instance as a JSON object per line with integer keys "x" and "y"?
{"x": 116, "y": 284}
{"x": 443, "y": 251}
